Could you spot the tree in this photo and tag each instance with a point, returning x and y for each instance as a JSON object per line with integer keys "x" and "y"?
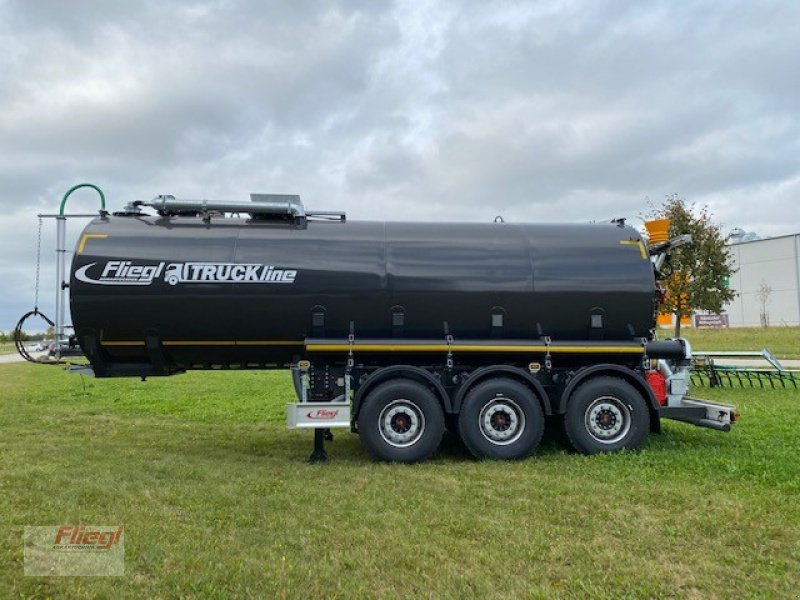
{"x": 700, "y": 270}
{"x": 763, "y": 294}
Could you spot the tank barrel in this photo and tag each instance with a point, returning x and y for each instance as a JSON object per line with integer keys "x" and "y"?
{"x": 271, "y": 281}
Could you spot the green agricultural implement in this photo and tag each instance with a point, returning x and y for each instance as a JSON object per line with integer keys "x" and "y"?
{"x": 742, "y": 370}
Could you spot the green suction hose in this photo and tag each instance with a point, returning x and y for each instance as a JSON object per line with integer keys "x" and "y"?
{"x": 79, "y": 186}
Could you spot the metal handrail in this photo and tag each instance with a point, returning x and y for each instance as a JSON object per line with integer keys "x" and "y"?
{"x": 764, "y": 353}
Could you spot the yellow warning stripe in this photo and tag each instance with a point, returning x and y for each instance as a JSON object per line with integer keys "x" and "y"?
{"x": 198, "y": 343}
{"x": 593, "y": 349}
{"x": 271, "y": 343}
{"x": 367, "y": 347}
{"x": 89, "y": 236}
{"x": 473, "y": 348}
{"x": 638, "y": 243}
{"x": 206, "y": 343}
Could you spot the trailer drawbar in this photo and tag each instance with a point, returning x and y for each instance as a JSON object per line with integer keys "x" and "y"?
{"x": 394, "y": 330}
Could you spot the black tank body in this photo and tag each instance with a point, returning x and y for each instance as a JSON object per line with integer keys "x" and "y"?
{"x": 250, "y": 292}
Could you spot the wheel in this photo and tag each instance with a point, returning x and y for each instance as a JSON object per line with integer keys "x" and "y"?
{"x": 401, "y": 421}
{"x": 606, "y": 414}
{"x": 501, "y": 419}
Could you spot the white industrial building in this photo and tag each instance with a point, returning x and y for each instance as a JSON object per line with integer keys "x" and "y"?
{"x": 760, "y": 264}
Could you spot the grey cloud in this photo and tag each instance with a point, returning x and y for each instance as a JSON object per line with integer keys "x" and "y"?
{"x": 555, "y": 110}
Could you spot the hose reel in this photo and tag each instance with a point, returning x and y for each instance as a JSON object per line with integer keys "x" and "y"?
{"x": 19, "y": 342}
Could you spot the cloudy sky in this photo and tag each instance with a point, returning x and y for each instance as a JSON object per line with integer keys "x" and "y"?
{"x": 539, "y": 111}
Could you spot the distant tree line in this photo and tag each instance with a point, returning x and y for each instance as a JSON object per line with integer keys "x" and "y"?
{"x": 8, "y": 336}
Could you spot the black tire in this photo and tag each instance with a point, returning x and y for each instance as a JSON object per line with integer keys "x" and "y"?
{"x": 401, "y": 421}
{"x": 606, "y": 414}
{"x": 501, "y": 419}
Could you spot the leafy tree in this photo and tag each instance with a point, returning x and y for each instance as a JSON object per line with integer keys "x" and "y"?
{"x": 701, "y": 270}
{"x": 3, "y": 337}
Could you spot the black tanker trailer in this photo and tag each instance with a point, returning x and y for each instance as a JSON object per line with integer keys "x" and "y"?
{"x": 393, "y": 329}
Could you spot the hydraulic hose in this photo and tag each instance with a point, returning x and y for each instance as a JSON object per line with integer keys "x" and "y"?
{"x": 19, "y": 343}
{"x": 77, "y": 187}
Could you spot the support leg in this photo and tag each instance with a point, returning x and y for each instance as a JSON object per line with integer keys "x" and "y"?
{"x": 319, "y": 454}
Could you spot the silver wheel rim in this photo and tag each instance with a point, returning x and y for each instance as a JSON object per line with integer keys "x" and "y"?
{"x": 401, "y": 423}
{"x": 608, "y": 419}
{"x": 501, "y": 421}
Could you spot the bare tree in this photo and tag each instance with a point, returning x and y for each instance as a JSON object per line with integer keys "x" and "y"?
{"x": 763, "y": 295}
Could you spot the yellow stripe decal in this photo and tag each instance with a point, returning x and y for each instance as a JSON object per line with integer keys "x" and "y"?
{"x": 367, "y": 347}
{"x": 89, "y": 236}
{"x": 271, "y": 343}
{"x": 208, "y": 343}
{"x": 195, "y": 343}
{"x": 473, "y": 348}
{"x": 638, "y": 243}
{"x": 594, "y": 349}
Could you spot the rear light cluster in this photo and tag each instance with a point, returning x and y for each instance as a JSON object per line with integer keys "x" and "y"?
{"x": 658, "y": 384}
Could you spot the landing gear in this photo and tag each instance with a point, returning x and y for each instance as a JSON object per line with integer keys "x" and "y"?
{"x": 318, "y": 454}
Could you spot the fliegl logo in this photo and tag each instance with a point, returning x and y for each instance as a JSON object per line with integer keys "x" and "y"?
{"x": 322, "y": 414}
{"x": 124, "y": 272}
{"x": 78, "y": 537}
{"x": 74, "y": 550}
{"x": 121, "y": 272}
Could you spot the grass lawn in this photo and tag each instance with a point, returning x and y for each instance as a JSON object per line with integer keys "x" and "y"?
{"x": 784, "y": 342}
{"x": 217, "y": 501}
{"x": 7, "y": 347}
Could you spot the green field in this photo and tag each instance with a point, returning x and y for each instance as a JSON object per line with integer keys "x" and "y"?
{"x": 7, "y": 348}
{"x": 784, "y": 342}
{"x": 217, "y": 501}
